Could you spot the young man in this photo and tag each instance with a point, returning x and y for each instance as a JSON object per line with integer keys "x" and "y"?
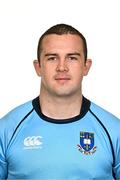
{"x": 60, "y": 134}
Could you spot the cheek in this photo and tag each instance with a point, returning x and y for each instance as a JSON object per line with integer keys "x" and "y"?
{"x": 78, "y": 75}
{"x": 47, "y": 74}
{"x": 77, "y": 71}
{"x": 44, "y": 70}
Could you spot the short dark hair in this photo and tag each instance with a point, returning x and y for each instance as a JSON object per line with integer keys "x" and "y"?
{"x": 61, "y": 29}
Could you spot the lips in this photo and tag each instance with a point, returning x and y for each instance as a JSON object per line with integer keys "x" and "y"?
{"x": 62, "y": 79}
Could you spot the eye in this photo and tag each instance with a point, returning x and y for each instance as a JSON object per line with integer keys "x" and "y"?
{"x": 51, "y": 58}
{"x": 73, "y": 58}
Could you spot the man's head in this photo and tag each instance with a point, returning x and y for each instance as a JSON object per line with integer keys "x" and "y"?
{"x": 62, "y": 61}
{"x": 61, "y": 29}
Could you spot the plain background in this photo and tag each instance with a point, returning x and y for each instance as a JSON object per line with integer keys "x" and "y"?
{"x": 21, "y": 24}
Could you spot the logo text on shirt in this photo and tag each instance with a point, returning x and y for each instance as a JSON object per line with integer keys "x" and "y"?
{"x": 33, "y": 142}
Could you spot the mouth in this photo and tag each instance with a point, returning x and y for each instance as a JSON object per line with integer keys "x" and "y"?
{"x": 62, "y": 79}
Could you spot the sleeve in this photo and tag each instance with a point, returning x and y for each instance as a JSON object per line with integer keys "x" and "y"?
{"x": 3, "y": 163}
{"x": 3, "y": 169}
{"x": 116, "y": 168}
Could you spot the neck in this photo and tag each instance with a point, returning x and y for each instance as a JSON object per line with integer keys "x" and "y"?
{"x": 60, "y": 107}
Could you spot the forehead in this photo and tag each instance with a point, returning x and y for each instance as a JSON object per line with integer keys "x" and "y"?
{"x": 65, "y": 41}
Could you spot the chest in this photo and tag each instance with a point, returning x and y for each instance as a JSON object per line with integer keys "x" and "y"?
{"x": 60, "y": 151}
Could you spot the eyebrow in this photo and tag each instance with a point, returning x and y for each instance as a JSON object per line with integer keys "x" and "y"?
{"x": 51, "y": 54}
{"x": 75, "y": 53}
{"x": 68, "y": 54}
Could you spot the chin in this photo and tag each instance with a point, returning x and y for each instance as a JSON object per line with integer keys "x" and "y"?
{"x": 64, "y": 94}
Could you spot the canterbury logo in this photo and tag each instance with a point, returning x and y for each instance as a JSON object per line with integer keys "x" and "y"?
{"x": 33, "y": 141}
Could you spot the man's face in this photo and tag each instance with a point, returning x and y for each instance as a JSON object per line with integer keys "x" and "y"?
{"x": 62, "y": 65}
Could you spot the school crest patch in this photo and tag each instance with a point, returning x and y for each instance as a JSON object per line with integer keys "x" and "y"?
{"x": 86, "y": 145}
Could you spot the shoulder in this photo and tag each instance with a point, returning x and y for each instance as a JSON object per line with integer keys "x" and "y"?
{"x": 10, "y": 122}
{"x": 102, "y": 113}
{"x": 110, "y": 121}
{"x": 13, "y": 117}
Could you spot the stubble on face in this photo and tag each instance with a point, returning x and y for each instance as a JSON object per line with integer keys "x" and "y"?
{"x": 61, "y": 83}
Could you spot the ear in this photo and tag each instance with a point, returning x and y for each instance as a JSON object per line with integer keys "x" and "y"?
{"x": 37, "y": 67}
{"x": 87, "y": 66}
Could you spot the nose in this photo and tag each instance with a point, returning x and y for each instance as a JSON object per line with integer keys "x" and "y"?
{"x": 62, "y": 65}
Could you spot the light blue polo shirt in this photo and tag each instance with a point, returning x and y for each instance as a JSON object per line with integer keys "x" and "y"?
{"x": 33, "y": 146}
